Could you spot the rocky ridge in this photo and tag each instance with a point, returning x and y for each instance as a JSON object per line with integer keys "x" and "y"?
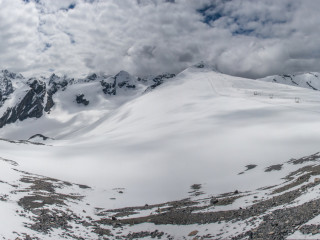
{"x": 22, "y": 98}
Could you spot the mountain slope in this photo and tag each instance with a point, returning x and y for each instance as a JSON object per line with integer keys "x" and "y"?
{"x": 66, "y": 100}
{"x": 237, "y": 151}
{"x": 306, "y": 80}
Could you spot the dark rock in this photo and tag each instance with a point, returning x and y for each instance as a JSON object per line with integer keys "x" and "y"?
{"x": 250, "y": 166}
{"x": 102, "y": 231}
{"x": 199, "y": 65}
{"x": 92, "y": 77}
{"x": 27, "y": 237}
{"x": 311, "y": 158}
{"x": 196, "y": 186}
{"x": 276, "y": 167}
{"x": 31, "y": 106}
{"x": 81, "y": 100}
{"x": 214, "y": 200}
{"x": 55, "y": 84}
{"x": 193, "y": 233}
{"x": 83, "y": 186}
{"x": 50, "y": 102}
{"x": 160, "y": 79}
{"x": 109, "y": 87}
{"x": 38, "y": 135}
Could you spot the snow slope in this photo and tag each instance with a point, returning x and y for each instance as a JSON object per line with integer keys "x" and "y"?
{"x": 189, "y": 128}
{"x": 203, "y": 127}
{"x": 306, "y": 80}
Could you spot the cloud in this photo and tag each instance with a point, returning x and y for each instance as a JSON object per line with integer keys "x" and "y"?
{"x": 250, "y": 38}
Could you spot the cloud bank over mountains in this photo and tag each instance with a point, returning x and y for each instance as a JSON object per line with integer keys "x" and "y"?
{"x": 250, "y": 38}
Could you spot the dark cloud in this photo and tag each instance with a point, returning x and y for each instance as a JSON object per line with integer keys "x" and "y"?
{"x": 251, "y": 38}
{"x": 185, "y": 57}
{"x": 147, "y": 51}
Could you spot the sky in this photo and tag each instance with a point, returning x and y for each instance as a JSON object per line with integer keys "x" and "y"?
{"x": 248, "y": 38}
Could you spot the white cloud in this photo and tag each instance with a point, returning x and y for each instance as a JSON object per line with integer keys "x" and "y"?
{"x": 19, "y": 38}
{"x": 242, "y": 37}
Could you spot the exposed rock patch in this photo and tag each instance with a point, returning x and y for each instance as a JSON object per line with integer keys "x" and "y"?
{"x": 276, "y": 167}
{"x": 311, "y": 158}
{"x": 275, "y": 215}
{"x": 39, "y": 136}
{"x": 248, "y": 167}
{"x": 81, "y": 100}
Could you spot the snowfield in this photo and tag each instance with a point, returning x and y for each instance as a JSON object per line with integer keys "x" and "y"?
{"x": 204, "y": 129}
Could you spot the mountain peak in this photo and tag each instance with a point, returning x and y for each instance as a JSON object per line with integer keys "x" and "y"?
{"x": 12, "y": 75}
{"x": 124, "y": 76}
{"x": 35, "y": 97}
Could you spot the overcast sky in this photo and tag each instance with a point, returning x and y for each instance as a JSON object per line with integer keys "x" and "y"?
{"x": 251, "y": 38}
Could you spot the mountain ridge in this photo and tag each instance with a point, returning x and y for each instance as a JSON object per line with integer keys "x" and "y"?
{"x": 310, "y": 80}
{"x": 36, "y": 96}
{"x": 205, "y": 154}
{"x": 39, "y": 93}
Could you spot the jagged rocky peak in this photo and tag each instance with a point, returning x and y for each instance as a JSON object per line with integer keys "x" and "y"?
{"x": 34, "y": 97}
{"x": 124, "y": 79}
{"x": 59, "y": 82}
{"x": 6, "y": 78}
{"x": 6, "y": 87}
{"x": 7, "y": 74}
{"x": 55, "y": 84}
{"x": 92, "y": 77}
{"x": 31, "y": 105}
{"x": 38, "y": 86}
{"x": 53, "y": 78}
{"x": 124, "y": 76}
{"x": 32, "y": 92}
{"x": 118, "y": 83}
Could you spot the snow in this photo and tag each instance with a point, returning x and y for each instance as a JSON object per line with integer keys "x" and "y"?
{"x": 202, "y": 127}
{"x": 306, "y": 80}
{"x": 183, "y": 133}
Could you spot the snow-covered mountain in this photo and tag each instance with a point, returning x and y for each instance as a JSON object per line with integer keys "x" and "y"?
{"x": 22, "y": 98}
{"x": 309, "y": 80}
{"x": 201, "y": 156}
